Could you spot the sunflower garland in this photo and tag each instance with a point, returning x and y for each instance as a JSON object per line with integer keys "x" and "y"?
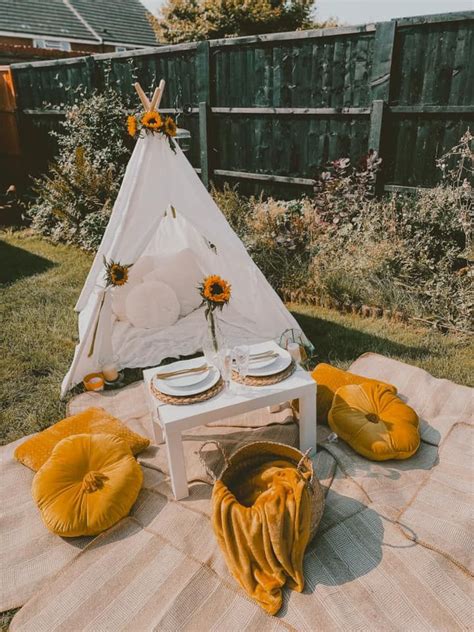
{"x": 169, "y": 126}
{"x": 131, "y": 125}
{"x": 152, "y": 122}
{"x": 215, "y": 293}
{"x": 116, "y": 274}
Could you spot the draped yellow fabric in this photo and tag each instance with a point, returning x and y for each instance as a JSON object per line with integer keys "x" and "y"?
{"x": 263, "y": 530}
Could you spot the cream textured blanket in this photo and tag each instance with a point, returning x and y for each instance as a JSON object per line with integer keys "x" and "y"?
{"x": 393, "y": 551}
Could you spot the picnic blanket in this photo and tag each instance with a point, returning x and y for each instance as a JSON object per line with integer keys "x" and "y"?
{"x": 393, "y": 550}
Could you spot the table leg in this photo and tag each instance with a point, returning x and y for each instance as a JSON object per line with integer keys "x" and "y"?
{"x": 157, "y": 428}
{"x": 307, "y": 406}
{"x": 174, "y": 449}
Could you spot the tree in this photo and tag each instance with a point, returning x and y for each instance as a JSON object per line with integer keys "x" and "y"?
{"x": 192, "y": 20}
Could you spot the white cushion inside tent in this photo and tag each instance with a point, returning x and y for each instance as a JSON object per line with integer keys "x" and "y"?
{"x": 183, "y": 273}
{"x": 119, "y": 299}
{"x": 143, "y": 266}
{"x": 152, "y": 305}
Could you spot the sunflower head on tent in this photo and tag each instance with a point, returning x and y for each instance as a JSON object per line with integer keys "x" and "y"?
{"x": 116, "y": 274}
{"x": 215, "y": 292}
{"x": 152, "y": 122}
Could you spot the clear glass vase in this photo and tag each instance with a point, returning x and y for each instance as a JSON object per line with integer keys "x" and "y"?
{"x": 215, "y": 336}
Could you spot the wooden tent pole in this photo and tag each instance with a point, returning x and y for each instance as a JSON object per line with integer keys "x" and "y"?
{"x": 161, "y": 88}
{"x": 143, "y": 98}
{"x": 154, "y": 98}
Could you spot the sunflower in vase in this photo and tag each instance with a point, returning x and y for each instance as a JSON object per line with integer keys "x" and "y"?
{"x": 215, "y": 293}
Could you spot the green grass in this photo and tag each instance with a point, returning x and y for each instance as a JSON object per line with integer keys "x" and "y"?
{"x": 341, "y": 338}
{"x": 40, "y": 283}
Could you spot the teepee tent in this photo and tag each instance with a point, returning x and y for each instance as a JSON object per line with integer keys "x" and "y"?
{"x": 168, "y": 229}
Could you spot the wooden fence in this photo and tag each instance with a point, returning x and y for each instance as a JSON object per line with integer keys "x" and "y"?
{"x": 9, "y": 140}
{"x": 266, "y": 111}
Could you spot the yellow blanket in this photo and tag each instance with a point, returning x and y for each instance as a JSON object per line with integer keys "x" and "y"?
{"x": 263, "y": 535}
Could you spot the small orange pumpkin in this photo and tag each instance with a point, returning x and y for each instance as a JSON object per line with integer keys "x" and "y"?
{"x": 375, "y": 422}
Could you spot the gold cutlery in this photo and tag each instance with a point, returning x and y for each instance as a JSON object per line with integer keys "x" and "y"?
{"x": 263, "y": 355}
{"x": 197, "y": 369}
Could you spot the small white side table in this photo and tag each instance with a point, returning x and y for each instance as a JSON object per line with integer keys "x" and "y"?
{"x": 173, "y": 420}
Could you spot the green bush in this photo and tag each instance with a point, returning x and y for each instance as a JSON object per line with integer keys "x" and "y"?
{"x": 74, "y": 200}
{"x": 407, "y": 253}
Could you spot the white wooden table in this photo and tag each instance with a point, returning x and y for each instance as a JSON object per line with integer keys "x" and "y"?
{"x": 170, "y": 421}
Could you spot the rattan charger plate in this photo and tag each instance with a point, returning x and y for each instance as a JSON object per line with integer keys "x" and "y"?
{"x": 264, "y": 380}
{"x": 189, "y": 399}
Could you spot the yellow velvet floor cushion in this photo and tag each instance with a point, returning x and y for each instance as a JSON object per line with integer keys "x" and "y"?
{"x": 37, "y": 450}
{"x": 329, "y": 379}
{"x": 375, "y": 422}
{"x": 87, "y": 485}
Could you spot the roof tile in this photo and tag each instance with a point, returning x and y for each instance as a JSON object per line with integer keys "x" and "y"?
{"x": 122, "y": 21}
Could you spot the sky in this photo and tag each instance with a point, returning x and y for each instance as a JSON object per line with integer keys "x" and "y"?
{"x": 361, "y": 11}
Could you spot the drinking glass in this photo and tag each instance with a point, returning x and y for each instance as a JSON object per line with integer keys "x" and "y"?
{"x": 242, "y": 355}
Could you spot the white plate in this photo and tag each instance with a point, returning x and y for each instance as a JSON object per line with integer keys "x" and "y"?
{"x": 179, "y": 381}
{"x": 193, "y": 389}
{"x": 279, "y": 364}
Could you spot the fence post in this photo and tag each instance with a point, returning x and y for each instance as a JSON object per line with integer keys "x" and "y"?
{"x": 95, "y": 75}
{"x": 204, "y": 97}
{"x": 380, "y": 92}
{"x": 204, "y": 142}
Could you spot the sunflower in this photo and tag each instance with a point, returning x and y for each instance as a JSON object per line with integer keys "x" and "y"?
{"x": 152, "y": 120}
{"x": 215, "y": 290}
{"x": 169, "y": 126}
{"x": 115, "y": 273}
{"x": 132, "y": 125}
{"x": 118, "y": 274}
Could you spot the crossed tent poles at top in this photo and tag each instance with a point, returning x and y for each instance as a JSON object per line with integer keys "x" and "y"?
{"x": 154, "y": 104}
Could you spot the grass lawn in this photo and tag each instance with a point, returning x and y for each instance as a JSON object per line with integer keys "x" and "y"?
{"x": 39, "y": 285}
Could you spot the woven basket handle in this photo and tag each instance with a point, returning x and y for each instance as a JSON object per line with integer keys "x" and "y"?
{"x": 209, "y": 472}
{"x": 304, "y": 458}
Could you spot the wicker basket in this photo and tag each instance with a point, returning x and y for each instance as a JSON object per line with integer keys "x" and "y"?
{"x": 253, "y": 455}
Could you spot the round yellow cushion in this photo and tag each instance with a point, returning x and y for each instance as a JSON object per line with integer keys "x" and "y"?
{"x": 89, "y": 483}
{"x": 374, "y": 421}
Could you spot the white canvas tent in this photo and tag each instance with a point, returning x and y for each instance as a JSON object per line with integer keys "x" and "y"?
{"x": 164, "y": 216}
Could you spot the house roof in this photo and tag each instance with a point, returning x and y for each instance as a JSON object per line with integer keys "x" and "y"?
{"x": 122, "y": 21}
{"x": 115, "y": 21}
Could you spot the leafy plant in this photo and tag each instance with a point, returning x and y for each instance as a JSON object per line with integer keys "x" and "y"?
{"x": 409, "y": 254}
{"x": 75, "y": 198}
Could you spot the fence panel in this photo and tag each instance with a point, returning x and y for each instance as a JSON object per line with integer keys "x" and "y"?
{"x": 267, "y": 111}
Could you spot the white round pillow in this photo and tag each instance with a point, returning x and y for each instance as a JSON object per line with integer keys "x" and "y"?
{"x": 142, "y": 266}
{"x": 152, "y": 305}
{"x": 119, "y": 298}
{"x": 183, "y": 273}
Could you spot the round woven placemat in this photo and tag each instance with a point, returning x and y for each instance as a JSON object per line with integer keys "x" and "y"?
{"x": 191, "y": 399}
{"x": 264, "y": 380}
